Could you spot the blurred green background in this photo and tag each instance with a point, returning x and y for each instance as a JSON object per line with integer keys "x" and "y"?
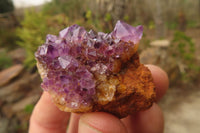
{"x": 171, "y": 40}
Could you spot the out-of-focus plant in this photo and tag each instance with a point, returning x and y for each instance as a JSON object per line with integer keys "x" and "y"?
{"x": 183, "y": 50}
{"x": 126, "y": 18}
{"x": 108, "y": 17}
{"x": 77, "y": 11}
{"x": 8, "y": 38}
{"x": 35, "y": 27}
{"x": 29, "y": 108}
{"x": 88, "y": 15}
{"x": 151, "y": 25}
{"x": 107, "y": 23}
{"x": 71, "y": 8}
{"x": 172, "y": 25}
{"x": 192, "y": 24}
{"x": 5, "y": 60}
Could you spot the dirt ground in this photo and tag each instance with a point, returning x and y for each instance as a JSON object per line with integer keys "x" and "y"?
{"x": 181, "y": 110}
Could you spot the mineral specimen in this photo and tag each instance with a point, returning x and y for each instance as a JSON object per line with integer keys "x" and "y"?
{"x": 88, "y": 71}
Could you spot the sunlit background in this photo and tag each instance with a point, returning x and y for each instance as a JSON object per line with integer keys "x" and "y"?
{"x": 28, "y": 3}
{"x": 171, "y": 40}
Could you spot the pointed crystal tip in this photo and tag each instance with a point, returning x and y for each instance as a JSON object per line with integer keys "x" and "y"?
{"x": 127, "y": 33}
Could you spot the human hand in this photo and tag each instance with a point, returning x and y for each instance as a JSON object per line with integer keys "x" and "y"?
{"x": 47, "y": 118}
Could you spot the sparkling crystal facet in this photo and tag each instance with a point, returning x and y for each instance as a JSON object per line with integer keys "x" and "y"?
{"x": 127, "y": 33}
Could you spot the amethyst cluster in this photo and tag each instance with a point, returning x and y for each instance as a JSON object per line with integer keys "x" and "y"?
{"x": 71, "y": 61}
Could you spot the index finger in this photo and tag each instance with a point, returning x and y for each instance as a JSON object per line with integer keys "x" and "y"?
{"x": 160, "y": 79}
{"x": 47, "y": 118}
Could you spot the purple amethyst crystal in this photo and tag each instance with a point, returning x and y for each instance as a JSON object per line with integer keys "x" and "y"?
{"x": 127, "y": 33}
{"x": 72, "y": 59}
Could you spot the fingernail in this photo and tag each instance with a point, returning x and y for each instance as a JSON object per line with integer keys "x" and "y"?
{"x": 84, "y": 127}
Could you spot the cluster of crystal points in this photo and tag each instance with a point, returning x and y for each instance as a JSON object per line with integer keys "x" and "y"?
{"x": 71, "y": 59}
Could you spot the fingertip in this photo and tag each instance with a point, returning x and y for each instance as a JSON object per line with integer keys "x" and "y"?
{"x": 73, "y": 124}
{"x": 100, "y": 122}
{"x": 46, "y": 117}
{"x": 161, "y": 80}
{"x": 151, "y": 120}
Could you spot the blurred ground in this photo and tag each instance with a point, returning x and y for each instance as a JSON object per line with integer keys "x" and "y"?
{"x": 181, "y": 110}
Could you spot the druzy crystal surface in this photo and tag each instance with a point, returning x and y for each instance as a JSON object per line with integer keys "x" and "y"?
{"x": 72, "y": 61}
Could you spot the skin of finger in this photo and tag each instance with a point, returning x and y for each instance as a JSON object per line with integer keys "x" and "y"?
{"x": 149, "y": 121}
{"x": 160, "y": 79}
{"x": 127, "y": 121}
{"x": 100, "y": 122}
{"x": 73, "y": 124}
{"x": 47, "y": 118}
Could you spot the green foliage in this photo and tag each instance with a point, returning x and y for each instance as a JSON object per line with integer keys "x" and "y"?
{"x": 88, "y": 17}
{"x": 192, "y": 24}
{"x": 8, "y": 38}
{"x": 71, "y": 8}
{"x": 88, "y": 14}
{"x": 108, "y": 17}
{"x": 172, "y": 25}
{"x": 29, "y": 108}
{"x": 32, "y": 34}
{"x": 5, "y": 60}
{"x": 77, "y": 11}
{"x": 151, "y": 25}
{"x": 35, "y": 27}
{"x": 6, "y": 6}
{"x": 126, "y": 18}
{"x": 183, "y": 50}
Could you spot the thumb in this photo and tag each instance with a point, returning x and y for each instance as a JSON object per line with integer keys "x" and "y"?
{"x": 100, "y": 122}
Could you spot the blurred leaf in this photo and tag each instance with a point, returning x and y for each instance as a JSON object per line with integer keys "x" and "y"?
{"x": 183, "y": 50}
{"x": 8, "y": 38}
{"x": 88, "y": 14}
{"x": 5, "y": 60}
{"x": 108, "y": 17}
{"x": 29, "y": 108}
